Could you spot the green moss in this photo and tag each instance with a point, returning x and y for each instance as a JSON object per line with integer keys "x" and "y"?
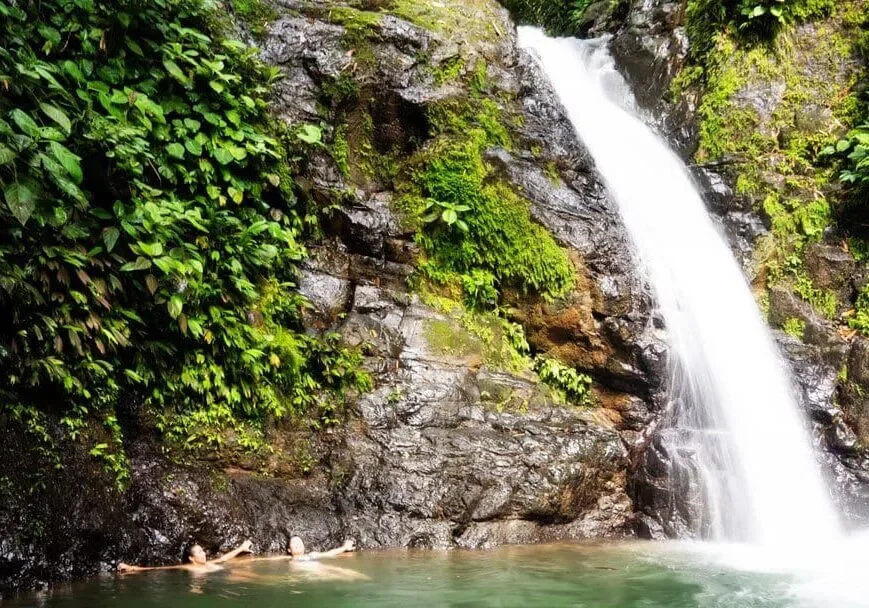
{"x": 795, "y": 327}
{"x": 448, "y": 338}
{"x": 551, "y": 171}
{"x": 480, "y": 80}
{"x": 500, "y": 238}
{"x": 825, "y": 302}
{"x": 359, "y": 27}
{"x": 340, "y": 150}
{"x": 860, "y": 319}
{"x": 255, "y": 13}
{"x": 341, "y": 89}
{"x": 775, "y": 155}
{"x": 449, "y": 70}
{"x": 471, "y": 20}
{"x": 499, "y": 342}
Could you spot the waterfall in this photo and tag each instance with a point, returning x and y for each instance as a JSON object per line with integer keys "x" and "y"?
{"x": 735, "y": 421}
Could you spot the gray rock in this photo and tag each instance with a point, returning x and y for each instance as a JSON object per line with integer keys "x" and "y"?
{"x": 831, "y": 268}
{"x": 784, "y": 305}
{"x": 328, "y": 294}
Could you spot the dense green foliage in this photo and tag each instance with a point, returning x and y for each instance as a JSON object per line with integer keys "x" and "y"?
{"x": 150, "y": 232}
{"x": 752, "y": 19}
{"x": 480, "y": 235}
{"x": 853, "y": 149}
{"x": 772, "y": 144}
{"x": 557, "y": 16}
{"x": 575, "y": 386}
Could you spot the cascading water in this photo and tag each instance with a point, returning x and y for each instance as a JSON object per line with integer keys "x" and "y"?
{"x": 736, "y": 422}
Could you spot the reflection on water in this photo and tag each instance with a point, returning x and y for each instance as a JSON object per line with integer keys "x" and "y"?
{"x": 633, "y": 575}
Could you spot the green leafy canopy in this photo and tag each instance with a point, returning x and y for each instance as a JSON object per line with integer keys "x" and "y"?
{"x": 150, "y": 234}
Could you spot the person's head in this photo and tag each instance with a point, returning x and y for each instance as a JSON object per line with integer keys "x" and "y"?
{"x": 197, "y": 555}
{"x": 297, "y": 547}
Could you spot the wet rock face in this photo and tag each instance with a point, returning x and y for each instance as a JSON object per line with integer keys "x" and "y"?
{"x": 832, "y": 268}
{"x": 446, "y": 451}
{"x": 456, "y": 454}
{"x": 650, "y": 47}
{"x": 738, "y": 222}
{"x": 844, "y": 461}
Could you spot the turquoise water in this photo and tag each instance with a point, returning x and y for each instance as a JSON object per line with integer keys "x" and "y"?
{"x": 635, "y": 575}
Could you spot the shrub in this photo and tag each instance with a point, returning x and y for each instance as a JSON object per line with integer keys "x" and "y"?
{"x": 150, "y": 233}
{"x": 560, "y": 17}
{"x": 495, "y": 243}
{"x": 572, "y": 384}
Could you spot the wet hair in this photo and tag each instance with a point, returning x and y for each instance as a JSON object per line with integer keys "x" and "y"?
{"x": 196, "y": 553}
{"x": 297, "y": 547}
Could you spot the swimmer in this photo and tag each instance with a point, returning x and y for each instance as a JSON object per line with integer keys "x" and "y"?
{"x": 304, "y": 565}
{"x": 198, "y": 561}
{"x": 297, "y": 550}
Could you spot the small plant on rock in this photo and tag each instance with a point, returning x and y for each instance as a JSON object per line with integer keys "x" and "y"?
{"x": 445, "y": 213}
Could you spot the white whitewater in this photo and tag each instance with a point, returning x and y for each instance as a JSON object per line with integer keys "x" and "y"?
{"x": 737, "y": 420}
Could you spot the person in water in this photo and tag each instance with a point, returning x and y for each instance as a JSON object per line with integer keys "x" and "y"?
{"x": 304, "y": 565}
{"x": 199, "y": 562}
{"x": 297, "y": 550}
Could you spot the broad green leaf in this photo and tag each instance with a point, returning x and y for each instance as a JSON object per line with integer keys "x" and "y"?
{"x": 27, "y": 125}
{"x": 175, "y": 71}
{"x": 140, "y": 264}
{"x": 192, "y": 124}
{"x": 222, "y": 155}
{"x": 214, "y": 119}
{"x": 175, "y": 150}
{"x": 73, "y": 70}
{"x": 152, "y": 249}
{"x": 175, "y": 305}
{"x": 842, "y": 145}
{"x": 70, "y": 189}
{"x": 50, "y": 34}
{"x": 195, "y": 327}
{"x": 21, "y": 199}
{"x": 449, "y": 217}
{"x": 6, "y": 155}
{"x": 110, "y": 237}
{"x": 310, "y": 134}
{"x": 134, "y": 46}
{"x": 58, "y": 116}
{"x": 193, "y": 147}
{"x": 68, "y": 160}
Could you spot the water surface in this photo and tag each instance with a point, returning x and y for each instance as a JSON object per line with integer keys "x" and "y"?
{"x": 630, "y": 575}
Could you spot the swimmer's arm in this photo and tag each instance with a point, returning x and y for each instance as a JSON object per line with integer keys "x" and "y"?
{"x": 244, "y": 548}
{"x": 268, "y": 558}
{"x": 345, "y": 548}
{"x": 129, "y": 569}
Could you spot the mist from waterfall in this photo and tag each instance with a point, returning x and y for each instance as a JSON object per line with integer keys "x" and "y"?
{"x": 735, "y": 425}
